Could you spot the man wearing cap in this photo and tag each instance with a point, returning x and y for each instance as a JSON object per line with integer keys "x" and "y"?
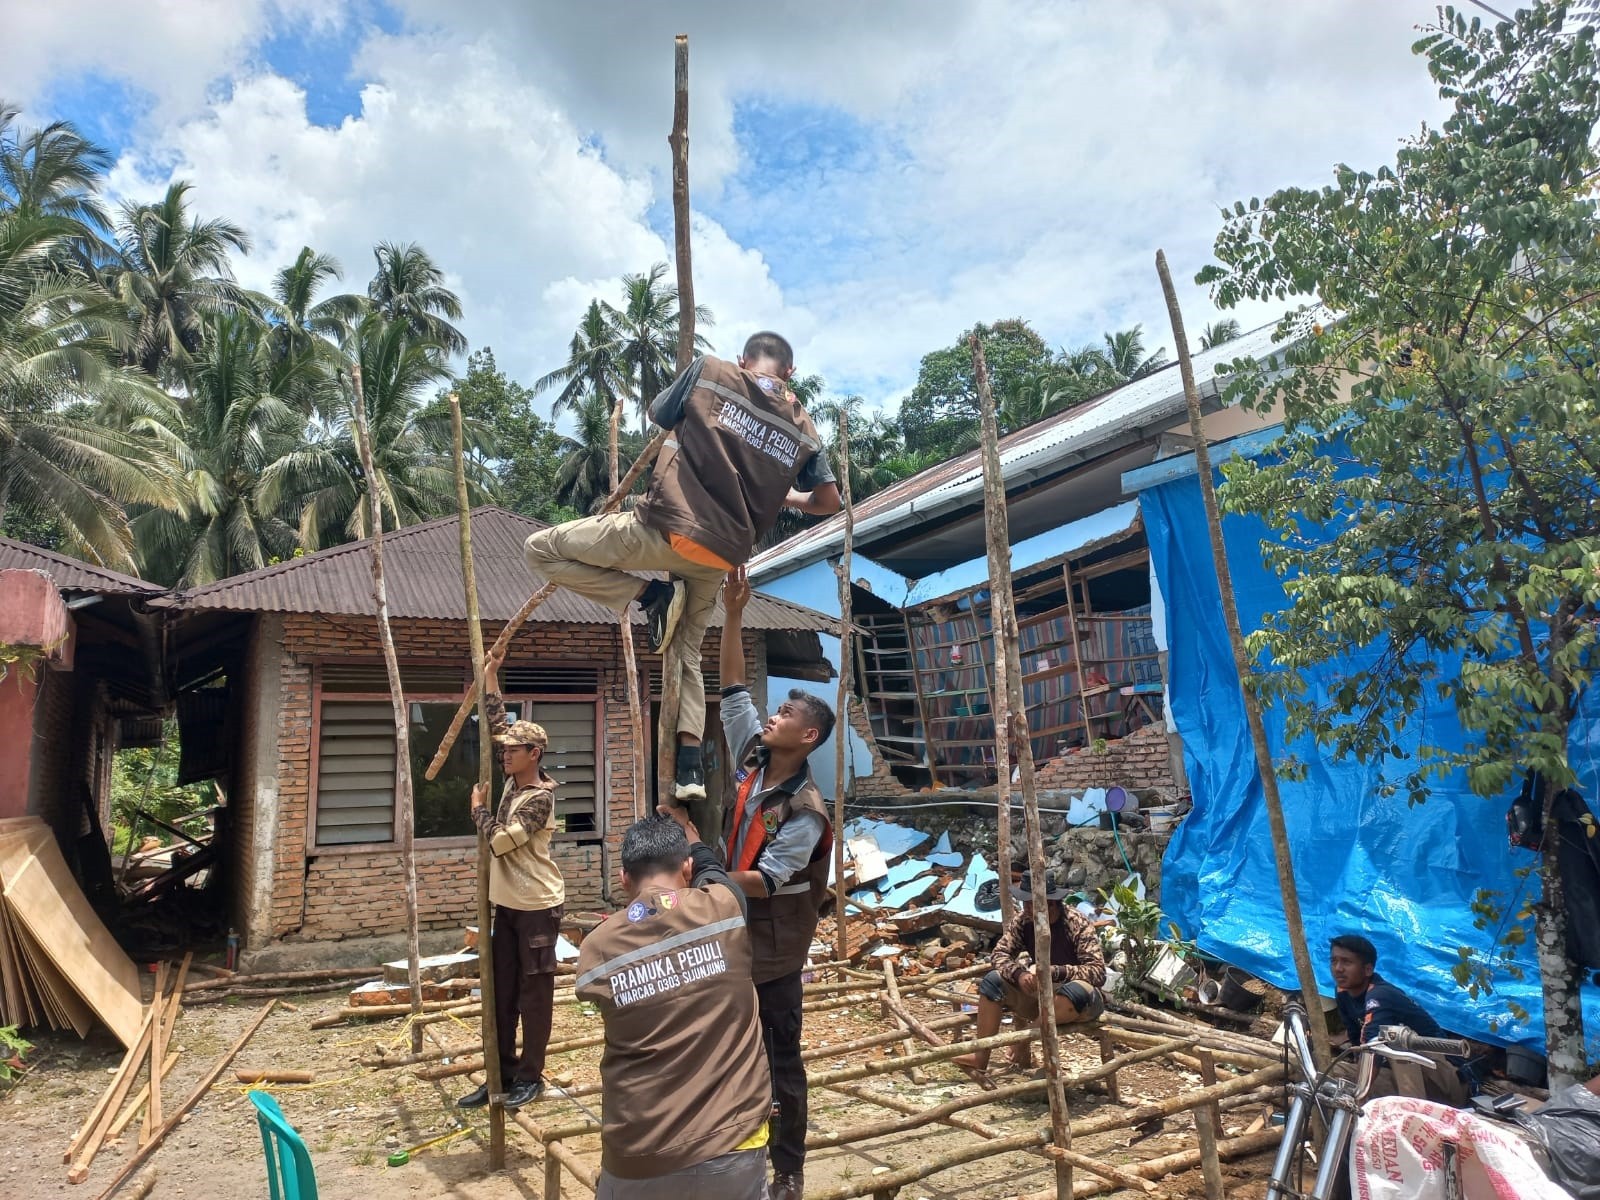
{"x": 1077, "y": 970}
{"x": 528, "y": 894}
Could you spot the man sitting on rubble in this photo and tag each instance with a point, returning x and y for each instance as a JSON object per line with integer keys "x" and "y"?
{"x": 1367, "y": 1002}
{"x": 1077, "y": 971}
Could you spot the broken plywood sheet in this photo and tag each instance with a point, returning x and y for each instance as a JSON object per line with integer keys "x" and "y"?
{"x": 961, "y": 896}
{"x": 432, "y": 968}
{"x": 44, "y": 902}
{"x": 895, "y": 841}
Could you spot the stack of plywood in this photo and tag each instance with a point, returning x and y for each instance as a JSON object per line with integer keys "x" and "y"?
{"x": 59, "y": 965}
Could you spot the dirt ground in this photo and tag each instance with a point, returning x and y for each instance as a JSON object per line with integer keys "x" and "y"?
{"x": 352, "y": 1117}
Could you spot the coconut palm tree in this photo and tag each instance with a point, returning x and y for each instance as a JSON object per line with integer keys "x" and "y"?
{"x": 171, "y": 273}
{"x": 583, "y": 480}
{"x": 230, "y": 429}
{"x": 1219, "y": 333}
{"x": 301, "y": 326}
{"x": 320, "y": 484}
{"x": 647, "y": 331}
{"x": 594, "y": 365}
{"x": 67, "y": 461}
{"x": 54, "y": 171}
{"x": 409, "y": 288}
{"x": 1125, "y": 354}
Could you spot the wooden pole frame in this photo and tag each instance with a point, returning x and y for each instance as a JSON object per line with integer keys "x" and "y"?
{"x": 404, "y": 817}
{"x": 1244, "y": 668}
{"x": 1014, "y": 727}
{"x": 489, "y": 1032}
{"x": 842, "y": 726}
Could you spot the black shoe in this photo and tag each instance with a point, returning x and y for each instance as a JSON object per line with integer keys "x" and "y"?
{"x": 477, "y": 1098}
{"x": 664, "y": 609}
{"x": 690, "y": 783}
{"x": 788, "y": 1185}
{"x": 524, "y": 1093}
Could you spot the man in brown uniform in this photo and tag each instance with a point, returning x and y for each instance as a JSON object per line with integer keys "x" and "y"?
{"x": 778, "y": 842}
{"x": 1077, "y": 971}
{"x": 743, "y": 446}
{"x": 684, "y": 1076}
{"x": 528, "y": 894}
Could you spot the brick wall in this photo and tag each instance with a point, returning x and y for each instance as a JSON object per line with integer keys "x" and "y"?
{"x": 340, "y": 892}
{"x": 1140, "y": 762}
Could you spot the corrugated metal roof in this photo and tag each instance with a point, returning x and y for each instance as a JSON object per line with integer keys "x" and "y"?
{"x": 1025, "y": 454}
{"x": 71, "y": 574}
{"x": 422, "y": 570}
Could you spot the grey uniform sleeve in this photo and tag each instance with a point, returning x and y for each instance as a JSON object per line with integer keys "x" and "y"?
{"x": 666, "y": 410}
{"x": 741, "y": 721}
{"x": 790, "y": 849}
{"x": 817, "y": 471}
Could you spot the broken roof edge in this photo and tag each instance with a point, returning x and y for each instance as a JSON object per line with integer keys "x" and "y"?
{"x": 1058, "y": 436}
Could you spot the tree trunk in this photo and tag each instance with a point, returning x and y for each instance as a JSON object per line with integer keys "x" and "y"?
{"x": 842, "y": 730}
{"x": 1558, "y": 975}
{"x": 404, "y": 821}
{"x": 1276, "y": 825}
{"x": 1011, "y": 722}
{"x": 489, "y": 1033}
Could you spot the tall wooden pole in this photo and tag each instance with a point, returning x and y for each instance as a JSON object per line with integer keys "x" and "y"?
{"x": 1244, "y": 669}
{"x": 1000, "y": 564}
{"x": 842, "y": 733}
{"x": 678, "y": 139}
{"x": 1012, "y": 723}
{"x": 490, "y": 1033}
{"x": 404, "y": 820}
{"x": 630, "y": 662}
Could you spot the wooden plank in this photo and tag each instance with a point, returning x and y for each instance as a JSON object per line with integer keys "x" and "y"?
{"x": 42, "y": 894}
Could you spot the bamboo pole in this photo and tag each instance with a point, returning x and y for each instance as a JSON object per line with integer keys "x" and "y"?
{"x": 404, "y": 821}
{"x": 630, "y": 662}
{"x": 892, "y": 1007}
{"x": 877, "y": 1039}
{"x": 1205, "y": 1127}
{"x": 1183, "y": 1160}
{"x": 842, "y": 743}
{"x": 233, "y": 981}
{"x": 678, "y": 139}
{"x": 1015, "y": 727}
{"x": 1244, "y": 668}
{"x": 488, "y": 1031}
{"x": 921, "y": 1116}
{"x": 613, "y": 502}
{"x": 217, "y": 1068}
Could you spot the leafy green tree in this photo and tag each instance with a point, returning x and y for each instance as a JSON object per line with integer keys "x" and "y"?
{"x": 54, "y": 171}
{"x": 526, "y": 449}
{"x": 582, "y": 481}
{"x": 1438, "y": 527}
{"x": 409, "y": 288}
{"x": 941, "y": 414}
{"x": 302, "y": 326}
{"x": 1219, "y": 333}
{"x": 172, "y": 271}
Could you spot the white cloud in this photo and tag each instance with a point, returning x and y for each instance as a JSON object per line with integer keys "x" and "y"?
{"x": 1021, "y": 158}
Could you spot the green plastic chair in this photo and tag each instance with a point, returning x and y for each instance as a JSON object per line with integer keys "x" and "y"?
{"x": 288, "y": 1159}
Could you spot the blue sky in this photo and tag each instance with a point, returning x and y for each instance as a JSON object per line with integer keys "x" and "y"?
{"x": 889, "y": 175}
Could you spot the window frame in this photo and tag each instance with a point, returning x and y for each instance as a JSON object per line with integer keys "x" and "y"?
{"x": 602, "y": 798}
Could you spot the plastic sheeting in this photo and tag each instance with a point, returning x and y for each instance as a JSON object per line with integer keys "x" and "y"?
{"x": 1404, "y": 877}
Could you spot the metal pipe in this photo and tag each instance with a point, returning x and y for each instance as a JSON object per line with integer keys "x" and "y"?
{"x": 1293, "y": 1126}
{"x": 1332, "y": 1153}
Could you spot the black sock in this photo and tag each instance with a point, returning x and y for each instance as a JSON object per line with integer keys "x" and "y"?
{"x": 688, "y": 756}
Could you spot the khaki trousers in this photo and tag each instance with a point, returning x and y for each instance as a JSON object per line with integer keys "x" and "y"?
{"x": 593, "y": 556}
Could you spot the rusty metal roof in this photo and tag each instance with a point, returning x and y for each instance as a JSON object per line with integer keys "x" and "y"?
{"x": 422, "y": 571}
{"x": 71, "y": 574}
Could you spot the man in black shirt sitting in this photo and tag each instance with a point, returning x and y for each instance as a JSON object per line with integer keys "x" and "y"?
{"x": 1368, "y": 1002}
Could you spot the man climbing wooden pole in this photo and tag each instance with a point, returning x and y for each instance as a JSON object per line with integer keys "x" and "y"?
{"x": 1011, "y": 723}
{"x": 490, "y": 1034}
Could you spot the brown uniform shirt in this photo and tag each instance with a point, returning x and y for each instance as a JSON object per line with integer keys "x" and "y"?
{"x": 724, "y": 473}
{"x": 684, "y": 1069}
{"x": 522, "y": 874}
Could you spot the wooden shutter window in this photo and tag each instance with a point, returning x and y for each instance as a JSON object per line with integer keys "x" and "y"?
{"x": 355, "y": 773}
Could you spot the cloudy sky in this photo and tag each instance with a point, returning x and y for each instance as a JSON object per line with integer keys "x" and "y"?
{"x": 870, "y": 178}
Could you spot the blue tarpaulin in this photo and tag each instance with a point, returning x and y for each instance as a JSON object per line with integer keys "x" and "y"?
{"x": 1405, "y": 877}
